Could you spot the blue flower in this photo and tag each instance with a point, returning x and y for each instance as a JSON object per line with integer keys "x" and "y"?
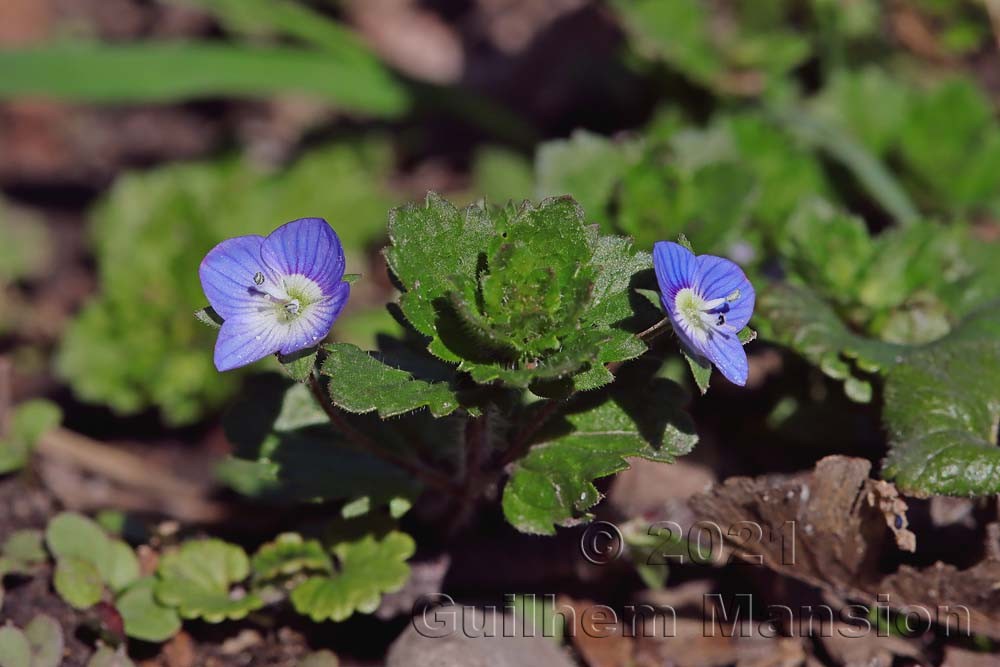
{"x": 276, "y": 294}
{"x": 708, "y": 300}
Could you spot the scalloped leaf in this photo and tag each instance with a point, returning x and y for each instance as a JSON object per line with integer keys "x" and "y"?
{"x": 78, "y": 582}
{"x": 24, "y": 549}
{"x": 72, "y": 535}
{"x": 362, "y": 381}
{"x": 553, "y": 483}
{"x": 942, "y": 408}
{"x": 367, "y": 567}
{"x": 15, "y": 651}
{"x": 288, "y": 554}
{"x": 197, "y": 580}
{"x": 40, "y": 644}
{"x": 800, "y": 319}
{"x": 144, "y": 617}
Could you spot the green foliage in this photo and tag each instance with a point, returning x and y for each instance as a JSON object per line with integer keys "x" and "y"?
{"x": 519, "y": 295}
{"x": 73, "y": 536}
{"x": 91, "y": 566}
{"x": 26, "y": 249}
{"x": 78, "y": 582}
{"x": 942, "y": 407}
{"x": 743, "y": 57}
{"x": 144, "y": 616}
{"x": 361, "y": 382}
{"x": 288, "y": 554}
{"x": 105, "y": 656}
{"x": 105, "y": 73}
{"x": 728, "y": 187}
{"x": 367, "y": 566}
{"x": 198, "y": 578}
{"x": 286, "y": 451}
{"x": 29, "y": 422}
{"x": 592, "y": 438}
{"x": 40, "y": 644}
{"x": 136, "y": 345}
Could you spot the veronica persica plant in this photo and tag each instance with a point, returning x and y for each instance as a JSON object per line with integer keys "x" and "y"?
{"x": 278, "y": 294}
{"x": 708, "y": 300}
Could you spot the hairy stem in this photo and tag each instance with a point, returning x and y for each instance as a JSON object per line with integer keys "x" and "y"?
{"x": 362, "y": 442}
{"x": 521, "y": 443}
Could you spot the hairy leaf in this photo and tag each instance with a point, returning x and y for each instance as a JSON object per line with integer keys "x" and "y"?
{"x": 553, "y": 484}
{"x": 942, "y": 407}
{"x": 361, "y": 382}
{"x": 519, "y": 294}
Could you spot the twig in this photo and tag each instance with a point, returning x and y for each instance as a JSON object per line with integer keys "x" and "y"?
{"x": 425, "y": 474}
{"x": 165, "y": 492}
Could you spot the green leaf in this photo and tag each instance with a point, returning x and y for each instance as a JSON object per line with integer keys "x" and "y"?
{"x": 798, "y": 318}
{"x": 521, "y": 294}
{"x": 72, "y": 535}
{"x": 288, "y": 554}
{"x": 586, "y": 167}
{"x": 950, "y": 142}
{"x": 105, "y": 73}
{"x": 24, "y": 548}
{"x": 942, "y": 407}
{"x": 145, "y": 618}
{"x": 120, "y": 567}
{"x": 15, "y": 651}
{"x": 105, "y": 656}
{"x": 431, "y": 244}
{"x": 553, "y": 484}
{"x": 869, "y": 171}
{"x": 367, "y": 568}
{"x": 29, "y": 422}
{"x": 299, "y": 366}
{"x": 361, "y": 382}
{"x": 502, "y": 175}
{"x": 265, "y": 18}
{"x": 287, "y": 451}
{"x": 209, "y": 317}
{"x": 45, "y": 636}
{"x": 197, "y": 580}
{"x": 78, "y": 582}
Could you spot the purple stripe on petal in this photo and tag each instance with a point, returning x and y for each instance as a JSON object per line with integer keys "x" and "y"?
{"x": 308, "y": 247}
{"x": 227, "y": 274}
{"x": 728, "y": 355}
{"x": 246, "y": 338}
{"x": 315, "y": 323}
{"x": 717, "y": 278}
{"x": 674, "y": 265}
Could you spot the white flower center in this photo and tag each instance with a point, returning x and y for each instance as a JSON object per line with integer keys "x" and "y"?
{"x": 700, "y": 318}
{"x": 291, "y": 297}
